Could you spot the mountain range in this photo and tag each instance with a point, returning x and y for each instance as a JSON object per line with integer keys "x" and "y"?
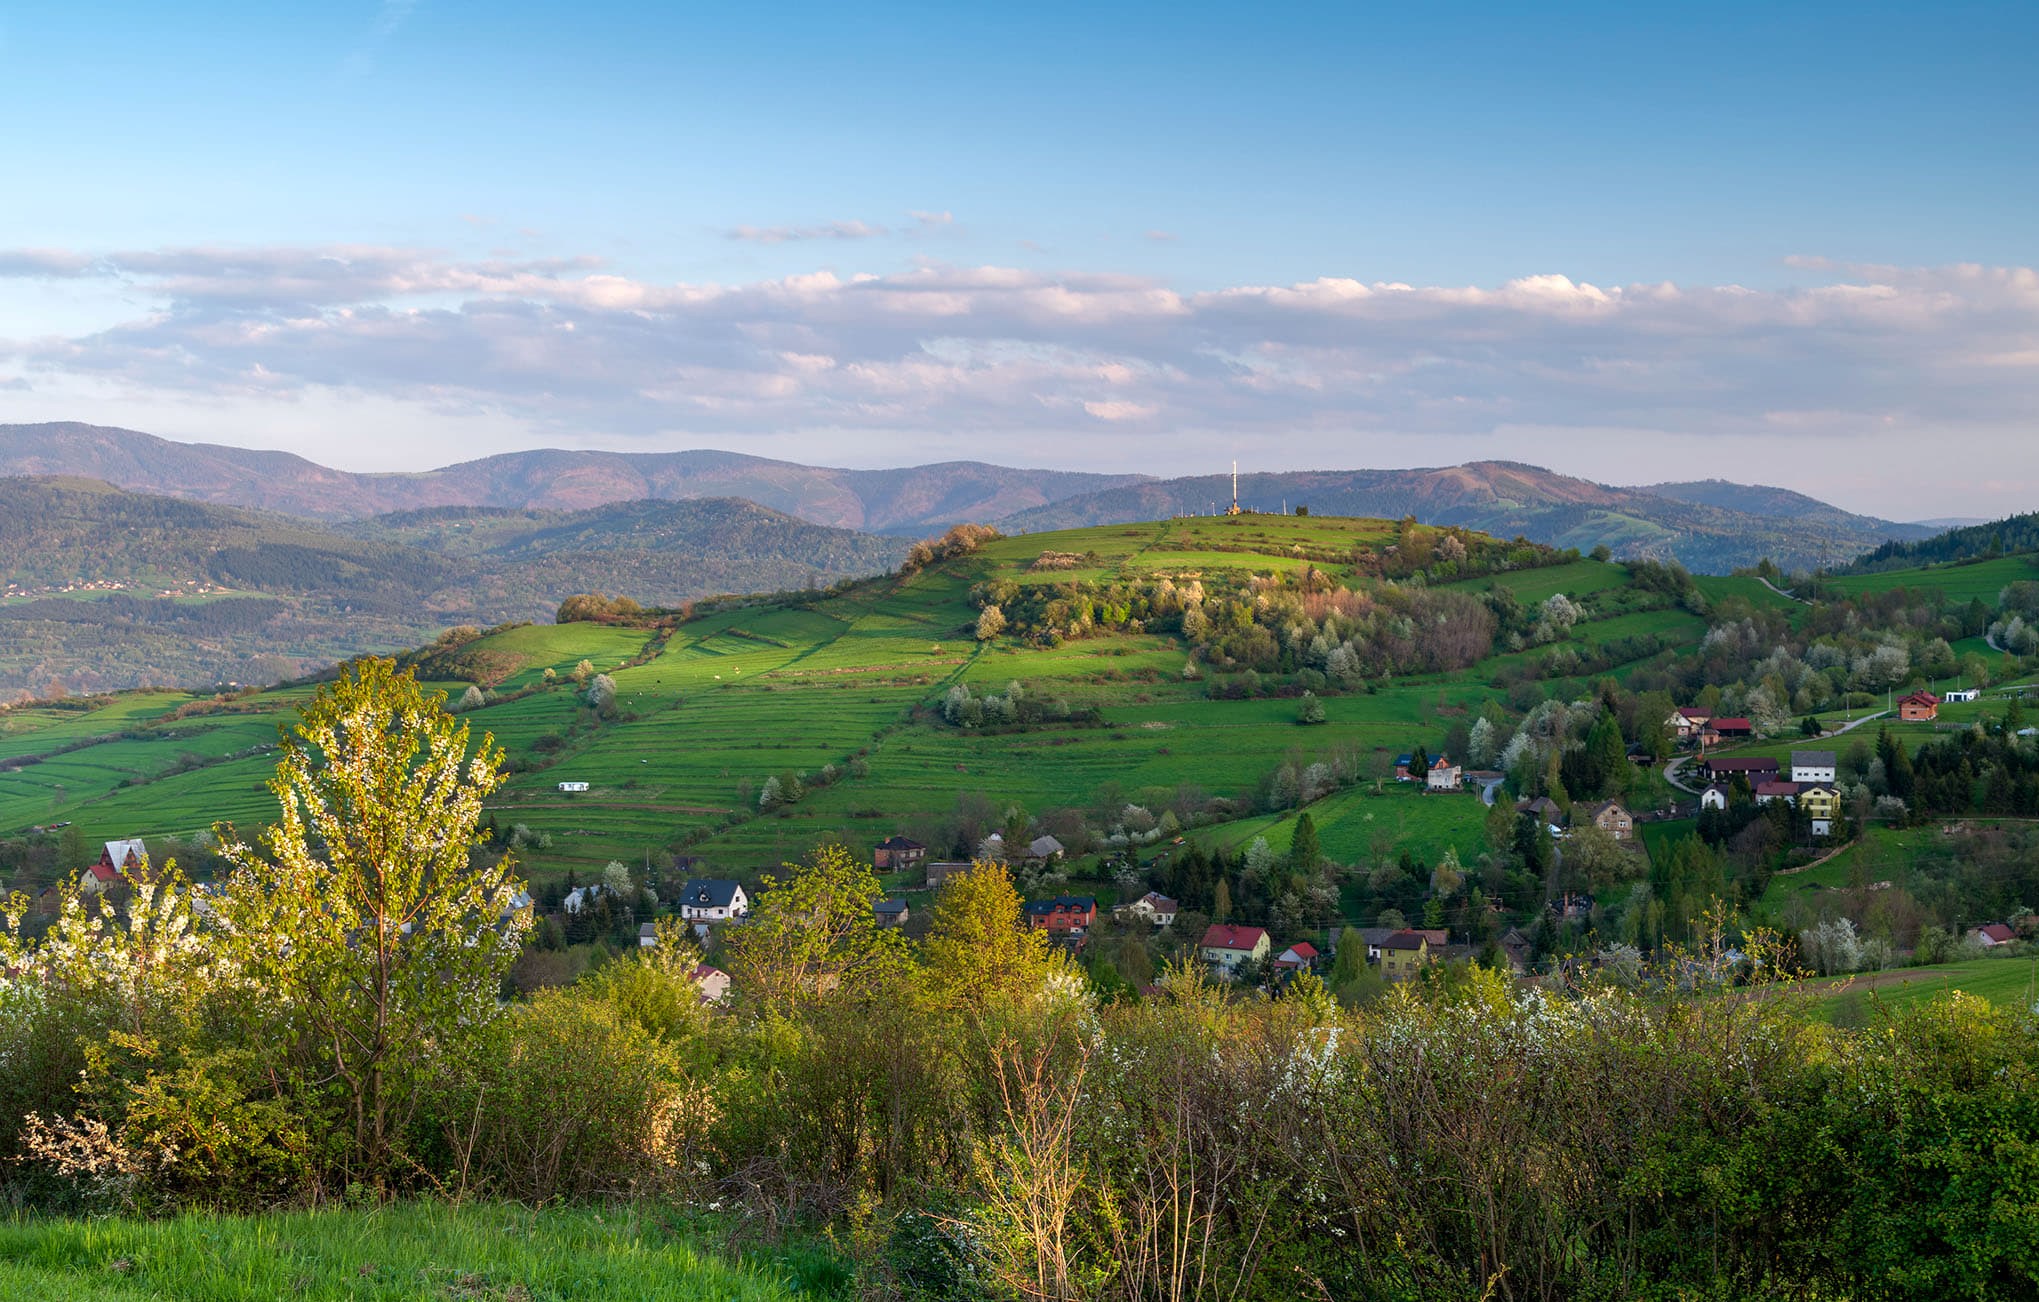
{"x": 1709, "y": 525}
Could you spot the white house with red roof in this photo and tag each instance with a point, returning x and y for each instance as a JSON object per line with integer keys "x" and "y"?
{"x": 1226, "y": 946}
{"x": 1992, "y": 934}
{"x": 1299, "y": 957}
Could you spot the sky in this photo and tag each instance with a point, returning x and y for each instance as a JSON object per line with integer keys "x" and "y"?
{"x": 1776, "y": 244}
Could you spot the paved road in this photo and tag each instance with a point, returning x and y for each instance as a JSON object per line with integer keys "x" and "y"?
{"x": 1781, "y": 592}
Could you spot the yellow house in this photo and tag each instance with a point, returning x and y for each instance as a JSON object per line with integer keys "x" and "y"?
{"x": 1404, "y": 954}
{"x": 1822, "y": 804}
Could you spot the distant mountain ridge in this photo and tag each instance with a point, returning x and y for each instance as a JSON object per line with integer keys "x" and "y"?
{"x": 1707, "y": 525}
{"x": 911, "y": 500}
{"x": 1508, "y": 498}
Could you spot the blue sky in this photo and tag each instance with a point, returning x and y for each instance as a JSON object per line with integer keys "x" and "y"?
{"x": 1065, "y": 212}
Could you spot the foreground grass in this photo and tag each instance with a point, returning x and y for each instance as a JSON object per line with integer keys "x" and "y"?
{"x": 476, "y": 1253}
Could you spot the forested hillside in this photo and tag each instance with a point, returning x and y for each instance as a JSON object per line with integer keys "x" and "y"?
{"x": 111, "y": 589}
{"x": 2017, "y": 533}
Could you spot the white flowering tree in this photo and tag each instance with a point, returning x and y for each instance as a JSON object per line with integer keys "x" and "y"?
{"x": 361, "y": 919}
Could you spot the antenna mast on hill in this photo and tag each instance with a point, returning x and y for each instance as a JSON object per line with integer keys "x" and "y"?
{"x": 1235, "y": 490}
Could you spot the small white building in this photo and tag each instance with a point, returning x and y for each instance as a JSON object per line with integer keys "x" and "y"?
{"x": 1714, "y": 797}
{"x": 573, "y": 786}
{"x": 711, "y": 899}
{"x": 1961, "y": 694}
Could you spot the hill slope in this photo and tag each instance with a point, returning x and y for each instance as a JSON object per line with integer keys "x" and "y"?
{"x": 1505, "y": 499}
{"x": 111, "y": 589}
{"x": 2013, "y": 534}
{"x": 910, "y": 500}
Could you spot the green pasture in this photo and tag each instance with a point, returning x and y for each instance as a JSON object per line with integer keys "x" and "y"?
{"x": 2005, "y": 982}
{"x": 1961, "y": 582}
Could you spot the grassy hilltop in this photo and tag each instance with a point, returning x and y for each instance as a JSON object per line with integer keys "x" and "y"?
{"x": 710, "y": 709}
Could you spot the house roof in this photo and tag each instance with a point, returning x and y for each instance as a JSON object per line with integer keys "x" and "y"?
{"x": 1405, "y": 939}
{"x": 117, "y": 852}
{"x": 1776, "y": 788}
{"x": 1078, "y": 903}
{"x": 1403, "y": 760}
{"x": 1812, "y": 759}
{"x": 1593, "y": 809}
{"x": 1997, "y": 932}
{"x": 1158, "y": 902}
{"x": 1694, "y": 714}
{"x": 1224, "y": 935}
{"x": 645, "y": 929}
{"x": 900, "y": 843}
{"x": 100, "y": 872}
{"x": 886, "y": 907}
{"x": 1920, "y": 697}
{"x": 1442, "y": 762}
{"x": 709, "y": 893}
{"x": 1742, "y": 765}
{"x": 1733, "y": 725}
{"x": 1540, "y": 805}
{"x": 1041, "y": 847}
{"x": 1302, "y": 949}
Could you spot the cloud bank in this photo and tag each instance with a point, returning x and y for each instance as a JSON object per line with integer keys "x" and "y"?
{"x": 1082, "y": 367}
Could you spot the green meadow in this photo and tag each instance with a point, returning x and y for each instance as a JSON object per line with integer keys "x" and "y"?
{"x": 842, "y": 684}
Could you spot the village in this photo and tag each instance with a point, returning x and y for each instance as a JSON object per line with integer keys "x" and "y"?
{"x": 1243, "y": 955}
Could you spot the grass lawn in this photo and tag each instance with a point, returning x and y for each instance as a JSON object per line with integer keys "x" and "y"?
{"x": 476, "y": 1253}
{"x": 1960, "y": 582}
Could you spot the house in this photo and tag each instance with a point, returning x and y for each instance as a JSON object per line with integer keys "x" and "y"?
{"x": 1225, "y": 946}
{"x": 1609, "y": 816}
{"x": 1721, "y": 770}
{"x": 1919, "y": 706}
{"x": 1545, "y": 809}
{"x": 1813, "y": 766}
{"x": 647, "y": 935}
{"x": 1402, "y": 763}
{"x": 939, "y": 871}
{"x": 1960, "y": 695}
{"x": 1515, "y": 950}
{"x": 1822, "y": 804}
{"x": 896, "y": 852}
{"x": 1639, "y": 755}
{"x": 891, "y": 913}
{"x": 1377, "y": 937}
{"x": 1443, "y": 776}
{"x": 573, "y": 786}
{"x": 713, "y": 899}
{"x": 1404, "y": 953}
{"x": 1992, "y": 934}
{"x": 1065, "y": 915}
{"x": 1299, "y": 957}
{"x": 125, "y": 856}
{"x": 1152, "y": 907}
{"x": 1714, "y": 797}
{"x": 1732, "y": 729}
{"x": 712, "y": 982}
{"x": 1046, "y": 849}
{"x": 1776, "y": 789}
{"x": 581, "y": 897}
{"x": 98, "y": 879}
{"x": 1685, "y": 723}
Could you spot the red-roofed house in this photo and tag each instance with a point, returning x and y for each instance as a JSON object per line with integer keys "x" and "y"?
{"x": 1919, "y": 705}
{"x": 713, "y": 983}
{"x": 1299, "y": 957}
{"x": 1776, "y": 789}
{"x": 1225, "y": 947}
{"x": 1064, "y": 915}
{"x": 1731, "y": 729}
{"x": 895, "y": 852}
{"x": 1992, "y": 934}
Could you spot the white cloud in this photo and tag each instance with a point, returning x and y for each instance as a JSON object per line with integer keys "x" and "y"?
{"x": 936, "y": 354}
{"x": 825, "y": 231}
